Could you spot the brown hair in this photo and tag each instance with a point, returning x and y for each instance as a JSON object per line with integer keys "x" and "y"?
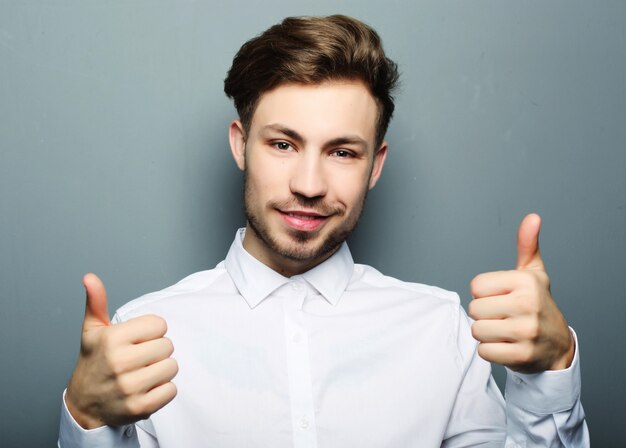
{"x": 311, "y": 50}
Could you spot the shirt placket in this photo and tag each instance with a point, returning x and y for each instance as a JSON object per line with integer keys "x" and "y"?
{"x": 299, "y": 369}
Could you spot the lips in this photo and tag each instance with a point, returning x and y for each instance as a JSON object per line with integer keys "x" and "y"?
{"x": 303, "y": 220}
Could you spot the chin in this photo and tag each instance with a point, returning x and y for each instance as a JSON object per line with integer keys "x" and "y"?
{"x": 311, "y": 246}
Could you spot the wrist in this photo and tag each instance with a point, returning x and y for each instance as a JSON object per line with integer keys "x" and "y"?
{"x": 81, "y": 417}
{"x": 565, "y": 361}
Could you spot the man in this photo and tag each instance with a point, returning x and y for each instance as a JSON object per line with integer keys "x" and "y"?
{"x": 288, "y": 343}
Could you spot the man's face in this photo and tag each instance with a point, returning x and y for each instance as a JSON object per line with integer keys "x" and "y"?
{"x": 309, "y": 159}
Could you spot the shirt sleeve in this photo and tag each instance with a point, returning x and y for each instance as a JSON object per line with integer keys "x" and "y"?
{"x": 72, "y": 435}
{"x": 544, "y": 409}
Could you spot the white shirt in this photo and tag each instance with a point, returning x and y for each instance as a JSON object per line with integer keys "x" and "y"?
{"x": 340, "y": 356}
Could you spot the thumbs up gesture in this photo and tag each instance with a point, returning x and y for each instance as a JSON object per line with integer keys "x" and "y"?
{"x": 517, "y": 321}
{"x": 124, "y": 371}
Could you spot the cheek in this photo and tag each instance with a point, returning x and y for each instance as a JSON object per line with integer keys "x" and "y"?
{"x": 349, "y": 187}
{"x": 267, "y": 178}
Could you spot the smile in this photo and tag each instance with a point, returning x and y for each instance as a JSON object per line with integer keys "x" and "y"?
{"x": 303, "y": 221}
{"x": 302, "y": 216}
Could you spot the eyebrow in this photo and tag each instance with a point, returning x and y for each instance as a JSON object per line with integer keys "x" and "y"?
{"x": 343, "y": 140}
{"x": 283, "y": 130}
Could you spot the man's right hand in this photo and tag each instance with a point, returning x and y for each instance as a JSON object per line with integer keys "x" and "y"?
{"x": 124, "y": 371}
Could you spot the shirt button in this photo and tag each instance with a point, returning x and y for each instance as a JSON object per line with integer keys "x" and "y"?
{"x": 129, "y": 431}
{"x": 296, "y": 286}
{"x": 304, "y": 423}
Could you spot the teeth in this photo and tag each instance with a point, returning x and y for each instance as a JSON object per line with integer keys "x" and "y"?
{"x": 306, "y": 217}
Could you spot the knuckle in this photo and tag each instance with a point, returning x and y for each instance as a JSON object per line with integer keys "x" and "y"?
{"x": 542, "y": 277}
{"x": 121, "y": 362}
{"x": 175, "y": 367}
{"x": 527, "y": 332}
{"x": 533, "y": 307}
{"x": 524, "y": 355}
{"x": 525, "y": 279}
{"x": 157, "y": 322}
{"x": 116, "y": 368}
{"x": 170, "y": 368}
{"x": 138, "y": 408}
{"x": 125, "y": 385}
{"x": 111, "y": 360}
{"x": 475, "y": 284}
{"x": 483, "y": 352}
{"x": 173, "y": 364}
{"x": 170, "y": 391}
{"x": 471, "y": 309}
{"x": 169, "y": 346}
{"x": 173, "y": 390}
{"x": 533, "y": 331}
{"x": 475, "y": 329}
{"x": 529, "y": 304}
{"x": 536, "y": 281}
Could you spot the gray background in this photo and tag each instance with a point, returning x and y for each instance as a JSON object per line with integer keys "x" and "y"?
{"x": 114, "y": 159}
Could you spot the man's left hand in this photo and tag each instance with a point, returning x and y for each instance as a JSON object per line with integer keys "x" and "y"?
{"x": 517, "y": 321}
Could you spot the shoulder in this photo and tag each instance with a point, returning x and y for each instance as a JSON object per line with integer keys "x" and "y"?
{"x": 368, "y": 277}
{"x": 435, "y": 313}
{"x": 191, "y": 285}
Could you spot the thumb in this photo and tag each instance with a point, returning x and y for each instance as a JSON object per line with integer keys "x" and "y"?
{"x": 96, "y": 313}
{"x": 528, "y": 255}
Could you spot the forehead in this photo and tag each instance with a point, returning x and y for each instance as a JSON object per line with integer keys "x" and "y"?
{"x": 320, "y": 111}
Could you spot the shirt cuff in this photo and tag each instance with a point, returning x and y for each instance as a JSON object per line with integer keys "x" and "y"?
{"x": 548, "y": 392}
{"x": 71, "y": 434}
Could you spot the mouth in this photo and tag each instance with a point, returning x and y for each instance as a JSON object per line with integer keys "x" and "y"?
{"x": 303, "y": 220}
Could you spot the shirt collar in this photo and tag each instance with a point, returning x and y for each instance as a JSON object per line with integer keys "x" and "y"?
{"x": 255, "y": 281}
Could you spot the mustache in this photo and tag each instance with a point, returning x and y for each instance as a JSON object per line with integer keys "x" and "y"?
{"x": 318, "y": 205}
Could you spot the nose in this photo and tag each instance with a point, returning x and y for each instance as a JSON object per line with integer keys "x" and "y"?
{"x": 308, "y": 178}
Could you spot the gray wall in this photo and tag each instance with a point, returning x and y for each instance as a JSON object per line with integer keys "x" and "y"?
{"x": 114, "y": 159}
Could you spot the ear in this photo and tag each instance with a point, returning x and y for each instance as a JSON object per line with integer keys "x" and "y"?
{"x": 237, "y": 139}
{"x": 379, "y": 161}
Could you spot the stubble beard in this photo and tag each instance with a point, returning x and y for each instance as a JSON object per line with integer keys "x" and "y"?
{"x": 298, "y": 250}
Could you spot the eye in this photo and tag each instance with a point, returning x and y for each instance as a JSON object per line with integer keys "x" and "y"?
{"x": 282, "y": 146}
{"x": 342, "y": 154}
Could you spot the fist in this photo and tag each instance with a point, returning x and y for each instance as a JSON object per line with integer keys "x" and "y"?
{"x": 124, "y": 371}
{"x": 517, "y": 322}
